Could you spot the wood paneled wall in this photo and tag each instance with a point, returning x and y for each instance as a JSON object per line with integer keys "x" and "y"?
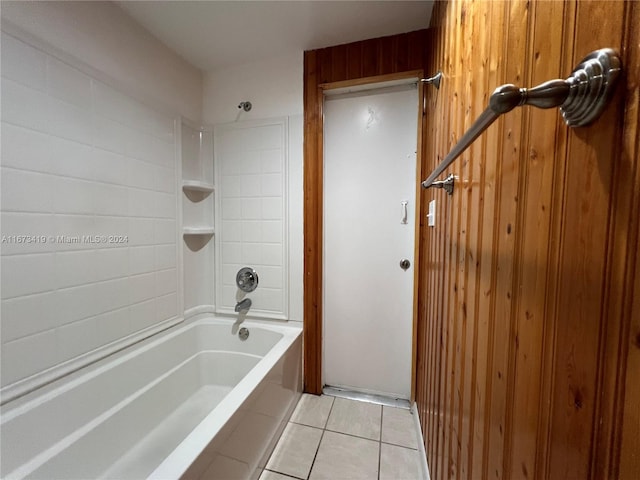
{"x": 528, "y": 355}
{"x": 362, "y": 62}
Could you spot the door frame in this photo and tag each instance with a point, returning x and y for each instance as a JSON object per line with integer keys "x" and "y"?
{"x": 313, "y": 174}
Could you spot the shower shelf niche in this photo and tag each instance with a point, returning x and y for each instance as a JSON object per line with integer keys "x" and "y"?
{"x": 197, "y": 186}
{"x": 197, "y": 231}
{"x": 196, "y": 238}
{"x": 198, "y": 206}
{"x": 197, "y": 182}
{"x": 196, "y": 191}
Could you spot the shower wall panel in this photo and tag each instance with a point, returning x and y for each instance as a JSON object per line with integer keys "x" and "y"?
{"x": 89, "y": 211}
{"x": 275, "y": 93}
{"x": 251, "y": 163}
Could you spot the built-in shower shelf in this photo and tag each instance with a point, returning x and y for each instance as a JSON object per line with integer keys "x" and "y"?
{"x": 196, "y": 186}
{"x": 197, "y": 231}
{"x": 197, "y": 237}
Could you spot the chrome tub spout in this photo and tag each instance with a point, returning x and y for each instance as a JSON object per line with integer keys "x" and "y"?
{"x": 243, "y": 305}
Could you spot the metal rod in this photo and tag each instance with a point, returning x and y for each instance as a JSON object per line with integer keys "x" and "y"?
{"x": 581, "y": 97}
{"x": 480, "y": 125}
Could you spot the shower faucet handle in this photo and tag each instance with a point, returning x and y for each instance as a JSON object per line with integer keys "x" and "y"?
{"x": 247, "y": 279}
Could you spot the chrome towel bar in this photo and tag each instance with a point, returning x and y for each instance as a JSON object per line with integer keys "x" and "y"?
{"x": 581, "y": 97}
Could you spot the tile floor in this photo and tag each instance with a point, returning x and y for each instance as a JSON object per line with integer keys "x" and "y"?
{"x": 335, "y": 438}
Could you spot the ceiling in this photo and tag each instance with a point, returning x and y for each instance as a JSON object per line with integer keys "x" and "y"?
{"x": 216, "y": 34}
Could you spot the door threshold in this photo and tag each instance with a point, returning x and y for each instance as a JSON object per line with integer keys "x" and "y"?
{"x": 366, "y": 397}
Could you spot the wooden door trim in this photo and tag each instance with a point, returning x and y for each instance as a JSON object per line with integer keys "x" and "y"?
{"x": 357, "y": 82}
{"x": 313, "y": 214}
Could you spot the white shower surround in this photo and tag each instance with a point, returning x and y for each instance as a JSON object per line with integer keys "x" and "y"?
{"x": 82, "y": 156}
{"x": 264, "y": 391}
{"x": 251, "y": 171}
{"x": 194, "y": 402}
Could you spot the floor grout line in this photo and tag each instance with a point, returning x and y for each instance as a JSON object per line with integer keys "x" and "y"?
{"x": 283, "y": 474}
{"x": 324, "y": 429}
{"x": 326, "y": 422}
{"x": 398, "y": 445}
{"x": 306, "y": 425}
{"x": 315, "y": 456}
{"x": 380, "y": 443}
{"x": 352, "y": 435}
{"x": 321, "y": 437}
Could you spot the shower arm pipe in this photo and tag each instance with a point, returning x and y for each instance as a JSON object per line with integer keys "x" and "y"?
{"x": 581, "y": 97}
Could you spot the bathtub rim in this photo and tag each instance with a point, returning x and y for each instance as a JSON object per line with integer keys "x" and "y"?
{"x": 58, "y": 386}
{"x": 240, "y": 392}
{"x": 188, "y": 450}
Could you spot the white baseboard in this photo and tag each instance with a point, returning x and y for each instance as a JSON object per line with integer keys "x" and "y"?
{"x": 423, "y": 452}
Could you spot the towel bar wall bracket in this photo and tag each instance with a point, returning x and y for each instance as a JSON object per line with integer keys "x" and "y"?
{"x": 447, "y": 184}
{"x": 582, "y": 97}
{"x": 435, "y": 80}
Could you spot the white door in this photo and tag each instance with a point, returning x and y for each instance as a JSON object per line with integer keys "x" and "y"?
{"x": 369, "y": 172}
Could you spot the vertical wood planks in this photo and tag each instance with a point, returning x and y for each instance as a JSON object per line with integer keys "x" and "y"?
{"x": 546, "y": 43}
{"x": 528, "y": 320}
{"x": 431, "y": 248}
{"x": 627, "y": 417}
{"x": 617, "y": 409}
{"x": 485, "y": 321}
{"x": 583, "y": 261}
{"x": 528, "y": 330}
{"x": 476, "y": 62}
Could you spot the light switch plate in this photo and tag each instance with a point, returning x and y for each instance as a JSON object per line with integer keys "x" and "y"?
{"x": 431, "y": 216}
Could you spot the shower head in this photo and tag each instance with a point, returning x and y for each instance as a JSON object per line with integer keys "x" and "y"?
{"x": 246, "y": 106}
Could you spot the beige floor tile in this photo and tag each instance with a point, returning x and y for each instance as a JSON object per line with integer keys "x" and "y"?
{"x": 355, "y": 418}
{"x": 398, "y": 427}
{"x": 345, "y": 457}
{"x": 399, "y": 463}
{"x": 267, "y": 475}
{"x": 295, "y": 450}
{"x": 313, "y": 410}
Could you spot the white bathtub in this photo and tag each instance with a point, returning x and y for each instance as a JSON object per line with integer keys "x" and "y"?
{"x": 193, "y": 402}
